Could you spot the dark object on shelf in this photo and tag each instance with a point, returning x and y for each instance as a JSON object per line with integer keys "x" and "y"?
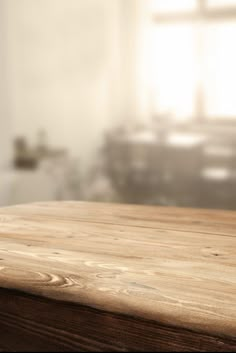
{"x": 24, "y": 157}
{"x": 30, "y": 157}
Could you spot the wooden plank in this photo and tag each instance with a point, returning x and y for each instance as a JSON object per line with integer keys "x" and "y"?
{"x": 39, "y": 324}
{"x": 197, "y": 220}
{"x": 162, "y": 272}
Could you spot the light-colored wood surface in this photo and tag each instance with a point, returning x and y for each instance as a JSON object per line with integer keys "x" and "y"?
{"x": 171, "y": 266}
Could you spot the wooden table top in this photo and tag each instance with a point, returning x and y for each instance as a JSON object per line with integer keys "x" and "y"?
{"x": 172, "y": 266}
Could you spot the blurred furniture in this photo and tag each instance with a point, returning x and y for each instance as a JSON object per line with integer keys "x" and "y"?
{"x": 218, "y": 173}
{"x": 54, "y": 179}
{"x": 24, "y": 157}
{"x": 27, "y": 157}
{"x": 39, "y": 173}
{"x": 182, "y": 166}
{"x": 24, "y": 186}
{"x": 95, "y": 277}
{"x": 173, "y": 165}
{"x": 134, "y": 164}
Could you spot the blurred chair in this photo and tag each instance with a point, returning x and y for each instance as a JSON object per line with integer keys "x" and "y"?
{"x": 182, "y": 167}
{"x": 216, "y": 186}
{"x": 133, "y": 163}
{"x": 218, "y": 173}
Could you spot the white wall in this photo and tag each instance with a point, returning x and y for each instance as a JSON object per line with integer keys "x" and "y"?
{"x": 135, "y": 102}
{"x": 64, "y": 60}
{"x": 5, "y": 123}
{"x": 76, "y": 69}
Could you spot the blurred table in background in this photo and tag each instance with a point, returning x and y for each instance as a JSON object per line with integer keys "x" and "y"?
{"x": 173, "y": 166}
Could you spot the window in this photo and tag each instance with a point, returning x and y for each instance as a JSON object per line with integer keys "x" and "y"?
{"x": 194, "y": 59}
{"x": 220, "y": 3}
{"x": 172, "y": 6}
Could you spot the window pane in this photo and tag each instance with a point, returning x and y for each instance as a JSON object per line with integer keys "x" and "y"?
{"x": 173, "y": 70}
{"x": 220, "y": 70}
{"x": 221, "y": 3}
{"x": 170, "y": 6}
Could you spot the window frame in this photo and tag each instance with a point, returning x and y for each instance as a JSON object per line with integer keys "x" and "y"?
{"x": 202, "y": 13}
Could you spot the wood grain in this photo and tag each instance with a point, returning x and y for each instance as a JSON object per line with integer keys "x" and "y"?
{"x": 87, "y": 276}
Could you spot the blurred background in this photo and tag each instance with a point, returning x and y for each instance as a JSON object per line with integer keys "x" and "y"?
{"x": 118, "y": 101}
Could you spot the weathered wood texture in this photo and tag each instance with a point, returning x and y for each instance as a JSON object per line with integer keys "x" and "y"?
{"x": 99, "y": 277}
